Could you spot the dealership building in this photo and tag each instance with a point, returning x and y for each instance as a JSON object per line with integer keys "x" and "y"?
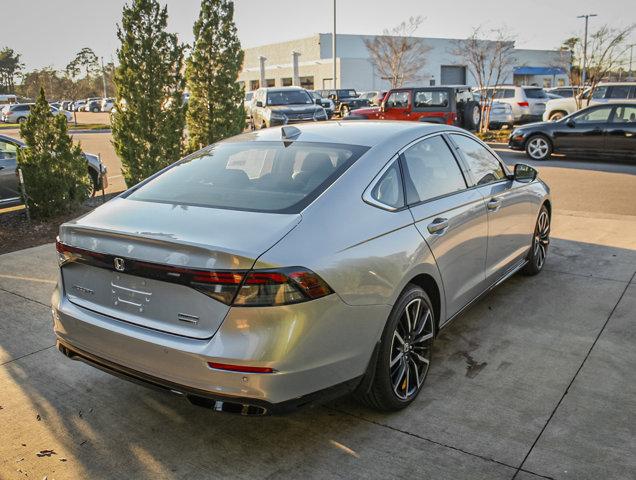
{"x": 308, "y": 62}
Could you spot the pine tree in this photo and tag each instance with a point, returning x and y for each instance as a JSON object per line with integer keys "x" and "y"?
{"x": 149, "y": 120}
{"x": 54, "y": 169}
{"x": 215, "y": 109}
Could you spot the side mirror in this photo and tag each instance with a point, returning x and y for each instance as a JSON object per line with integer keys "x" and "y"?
{"x": 259, "y": 104}
{"x": 571, "y": 123}
{"x": 524, "y": 173}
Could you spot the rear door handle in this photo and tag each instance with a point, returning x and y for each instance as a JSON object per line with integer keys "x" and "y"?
{"x": 438, "y": 226}
{"x": 494, "y": 204}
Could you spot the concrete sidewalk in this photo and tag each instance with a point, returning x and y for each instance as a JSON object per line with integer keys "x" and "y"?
{"x": 536, "y": 381}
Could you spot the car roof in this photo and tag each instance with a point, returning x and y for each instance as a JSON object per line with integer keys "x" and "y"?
{"x": 6, "y": 138}
{"x": 352, "y": 132}
{"x": 280, "y": 89}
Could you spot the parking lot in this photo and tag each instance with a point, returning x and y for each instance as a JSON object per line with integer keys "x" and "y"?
{"x": 535, "y": 381}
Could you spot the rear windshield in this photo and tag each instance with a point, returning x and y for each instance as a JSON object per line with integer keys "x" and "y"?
{"x": 255, "y": 176}
{"x": 535, "y": 93}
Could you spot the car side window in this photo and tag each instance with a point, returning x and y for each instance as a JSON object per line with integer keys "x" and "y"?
{"x": 594, "y": 115}
{"x": 625, "y": 114}
{"x": 483, "y": 165}
{"x": 619, "y": 91}
{"x": 388, "y": 190}
{"x": 8, "y": 150}
{"x": 430, "y": 99}
{"x": 599, "y": 93}
{"x": 430, "y": 170}
{"x": 398, "y": 99}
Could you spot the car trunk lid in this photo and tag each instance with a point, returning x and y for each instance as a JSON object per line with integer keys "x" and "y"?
{"x": 171, "y": 240}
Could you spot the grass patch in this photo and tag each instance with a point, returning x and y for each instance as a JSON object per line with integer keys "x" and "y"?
{"x": 71, "y": 126}
{"x": 499, "y": 136}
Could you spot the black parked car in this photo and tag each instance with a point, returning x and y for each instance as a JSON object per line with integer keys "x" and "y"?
{"x": 608, "y": 129}
{"x": 9, "y": 187}
{"x": 345, "y": 99}
{"x": 284, "y": 105}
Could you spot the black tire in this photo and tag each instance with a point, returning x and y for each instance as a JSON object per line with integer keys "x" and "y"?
{"x": 21, "y": 119}
{"x": 471, "y": 115}
{"x": 382, "y": 393}
{"x": 540, "y": 241}
{"x": 95, "y": 110}
{"x": 538, "y": 147}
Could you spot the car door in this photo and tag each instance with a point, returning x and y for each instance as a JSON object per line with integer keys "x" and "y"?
{"x": 621, "y": 131}
{"x": 451, "y": 218}
{"x": 584, "y": 132}
{"x": 9, "y": 189}
{"x": 509, "y": 205}
{"x": 397, "y": 106}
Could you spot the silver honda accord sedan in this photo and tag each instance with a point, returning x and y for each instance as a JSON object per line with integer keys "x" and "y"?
{"x": 296, "y": 264}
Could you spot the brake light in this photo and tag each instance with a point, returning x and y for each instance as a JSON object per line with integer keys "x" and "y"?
{"x": 523, "y": 104}
{"x": 231, "y": 287}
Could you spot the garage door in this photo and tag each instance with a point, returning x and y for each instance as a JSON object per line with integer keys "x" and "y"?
{"x": 453, "y": 75}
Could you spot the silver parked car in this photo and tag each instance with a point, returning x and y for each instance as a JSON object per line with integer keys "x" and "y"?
{"x": 291, "y": 264}
{"x": 528, "y": 103}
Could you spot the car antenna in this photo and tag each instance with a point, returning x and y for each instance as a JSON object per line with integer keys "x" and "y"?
{"x": 289, "y": 134}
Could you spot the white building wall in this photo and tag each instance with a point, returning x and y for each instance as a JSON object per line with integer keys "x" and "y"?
{"x": 354, "y": 69}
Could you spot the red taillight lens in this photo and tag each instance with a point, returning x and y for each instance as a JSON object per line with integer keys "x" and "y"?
{"x": 280, "y": 287}
{"x": 523, "y": 104}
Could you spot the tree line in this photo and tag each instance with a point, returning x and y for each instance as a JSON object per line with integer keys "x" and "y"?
{"x": 152, "y": 126}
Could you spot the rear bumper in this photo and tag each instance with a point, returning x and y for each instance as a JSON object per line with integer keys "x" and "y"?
{"x": 202, "y": 398}
{"x": 312, "y": 346}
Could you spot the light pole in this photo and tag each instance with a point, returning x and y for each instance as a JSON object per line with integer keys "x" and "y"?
{"x": 333, "y": 44}
{"x": 587, "y": 18}
{"x": 103, "y": 77}
{"x": 631, "y": 54}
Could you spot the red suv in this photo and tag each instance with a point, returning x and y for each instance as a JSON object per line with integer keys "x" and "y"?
{"x": 450, "y": 105}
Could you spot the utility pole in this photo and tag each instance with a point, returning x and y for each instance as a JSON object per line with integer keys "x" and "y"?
{"x": 587, "y": 18}
{"x": 103, "y": 77}
{"x": 333, "y": 44}
{"x": 631, "y": 54}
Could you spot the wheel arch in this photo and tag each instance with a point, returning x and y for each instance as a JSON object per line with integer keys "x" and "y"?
{"x": 558, "y": 110}
{"x": 427, "y": 283}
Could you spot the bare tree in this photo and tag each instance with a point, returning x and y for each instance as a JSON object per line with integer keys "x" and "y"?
{"x": 489, "y": 61}
{"x": 396, "y": 55}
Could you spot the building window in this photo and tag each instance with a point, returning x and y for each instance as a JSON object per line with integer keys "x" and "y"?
{"x": 286, "y": 82}
{"x": 560, "y": 82}
{"x": 270, "y": 82}
{"x": 254, "y": 85}
{"x": 547, "y": 83}
{"x": 307, "y": 82}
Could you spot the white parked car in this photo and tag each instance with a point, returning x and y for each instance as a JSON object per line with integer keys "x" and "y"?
{"x": 18, "y": 113}
{"x": 527, "y": 103}
{"x": 108, "y": 104}
{"x": 604, "y": 93}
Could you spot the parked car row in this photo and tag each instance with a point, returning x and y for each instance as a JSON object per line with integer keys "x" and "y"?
{"x": 18, "y": 112}
{"x": 610, "y": 92}
{"x": 9, "y": 187}
{"x": 94, "y": 104}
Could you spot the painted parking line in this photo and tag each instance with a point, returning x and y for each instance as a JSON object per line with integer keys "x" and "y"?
{"x": 28, "y": 279}
{"x": 11, "y": 209}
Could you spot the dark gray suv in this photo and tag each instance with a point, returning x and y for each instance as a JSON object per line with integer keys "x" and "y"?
{"x": 284, "y": 105}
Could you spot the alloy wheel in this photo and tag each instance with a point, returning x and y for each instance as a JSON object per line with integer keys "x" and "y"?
{"x": 411, "y": 349}
{"x": 538, "y": 148}
{"x": 541, "y": 239}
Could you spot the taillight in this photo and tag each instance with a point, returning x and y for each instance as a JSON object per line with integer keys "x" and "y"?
{"x": 280, "y": 287}
{"x": 231, "y": 287}
{"x": 523, "y": 104}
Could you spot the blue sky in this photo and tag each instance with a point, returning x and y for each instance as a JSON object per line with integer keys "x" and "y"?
{"x": 50, "y": 32}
